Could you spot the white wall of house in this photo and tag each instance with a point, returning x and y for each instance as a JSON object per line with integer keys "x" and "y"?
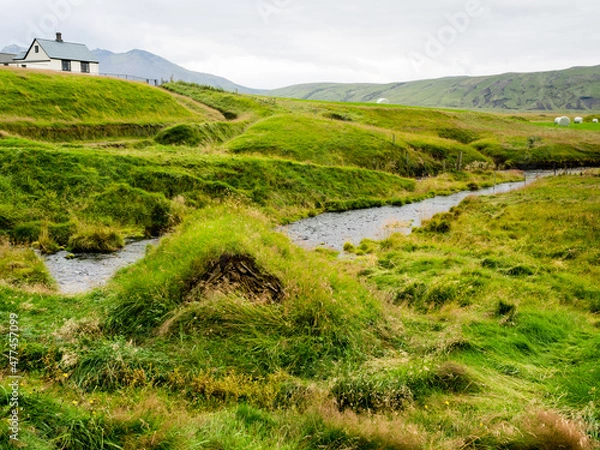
{"x": 56, "y": 64}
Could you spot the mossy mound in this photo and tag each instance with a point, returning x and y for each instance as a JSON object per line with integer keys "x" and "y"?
{"x": 246, "y": 296}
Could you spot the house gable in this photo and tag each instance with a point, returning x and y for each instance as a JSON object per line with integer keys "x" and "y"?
{"x": 31, "y": 55}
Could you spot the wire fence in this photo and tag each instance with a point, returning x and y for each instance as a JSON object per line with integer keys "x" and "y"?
{"x": 150, "y": 81}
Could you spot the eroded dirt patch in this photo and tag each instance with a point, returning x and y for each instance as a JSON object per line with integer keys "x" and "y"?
{"x": 238, "y": 274}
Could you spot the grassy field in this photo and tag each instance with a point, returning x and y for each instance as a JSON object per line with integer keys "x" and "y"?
{"x": 478, "y": 331}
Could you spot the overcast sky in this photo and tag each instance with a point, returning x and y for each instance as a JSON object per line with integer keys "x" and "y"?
{"x": 274, "y": 43}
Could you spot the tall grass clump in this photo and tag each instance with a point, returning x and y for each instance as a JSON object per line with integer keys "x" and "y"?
{"x": 78, "y": 425}
{"x": 21, "y": 266}
{"x": 92, "y": 238}
{"x": 208, "y": 280}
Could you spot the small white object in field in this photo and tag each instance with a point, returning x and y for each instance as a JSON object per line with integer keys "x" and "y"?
{"x": 383, "y": 101}
{"x": 578, "y": 119}
{"x": 564, "y": 121}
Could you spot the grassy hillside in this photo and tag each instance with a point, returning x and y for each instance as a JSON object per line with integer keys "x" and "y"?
{"x": 479, "y": 331}
{"x": 339, "y": 143}
{"x": 402, "y": 140}
{"x": 561, "y": 91}
{"x": 59, "y": 107}
{"x": 289, "y": 158}
{"x": 64, "y": 98}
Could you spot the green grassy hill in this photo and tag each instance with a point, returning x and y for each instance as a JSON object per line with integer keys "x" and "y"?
{"x": 479, "y": 331}
{"x": 61, "y": 107}
{"x": 62, "y": 98}
{"x": 561, "y": 91}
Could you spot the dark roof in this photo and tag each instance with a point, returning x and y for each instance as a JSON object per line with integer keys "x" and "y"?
{"x": 6, "y": 57}
{"x": 64, "y": 50}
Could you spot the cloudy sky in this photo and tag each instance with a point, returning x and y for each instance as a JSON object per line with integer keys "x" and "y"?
{"x": 274, "y": 43}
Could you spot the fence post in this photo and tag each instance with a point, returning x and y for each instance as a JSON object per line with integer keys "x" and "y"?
{"x": 459, "y": 161}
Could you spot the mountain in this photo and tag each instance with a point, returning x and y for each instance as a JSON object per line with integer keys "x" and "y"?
{"x": 577, "y": 88}
{"x": 143, "y": 64}
{"x": 13, "y": 49}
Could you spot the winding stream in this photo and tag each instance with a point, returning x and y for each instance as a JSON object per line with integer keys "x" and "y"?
{"x": 332, "y": 230}
{"x": 88, "y": 271}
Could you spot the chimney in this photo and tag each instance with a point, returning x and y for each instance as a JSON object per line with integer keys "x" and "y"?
{"x": 59, "y": 37}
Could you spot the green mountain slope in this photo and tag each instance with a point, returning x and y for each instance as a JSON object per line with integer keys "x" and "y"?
{"x": 572, "y": 89}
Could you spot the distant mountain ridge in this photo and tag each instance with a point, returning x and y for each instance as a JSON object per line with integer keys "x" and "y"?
{"x": 13, "y": 49}
{"x": 577, "y": 88}
{"x": 143, "y": 64}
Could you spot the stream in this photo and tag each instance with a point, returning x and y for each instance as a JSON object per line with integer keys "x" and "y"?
{"x": 84, "y": 272}
{"x": 333, "y": 230}
{"x": 87, "y": 271}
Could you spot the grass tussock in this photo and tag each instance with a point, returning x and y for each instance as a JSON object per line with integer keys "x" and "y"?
{"x": 319, "y": 319}
{"x": 20, "y": 266}
{"x": 95, "y": 239}
{"x": 329, "y": 428}
{"x": 202, "y": 134}
{"x": 548, "y": 430}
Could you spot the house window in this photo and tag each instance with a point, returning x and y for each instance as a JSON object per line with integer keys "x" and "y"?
{"x": 85, "y": 67}
{"x": 66, "y": 65}
{"x": 37, "y": 48}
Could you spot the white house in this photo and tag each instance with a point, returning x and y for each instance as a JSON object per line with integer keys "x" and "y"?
{"x": 58, "y": 55}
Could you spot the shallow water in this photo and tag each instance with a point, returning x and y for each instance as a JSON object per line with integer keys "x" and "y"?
{"x": 332, "y": 230}
{"x": 88, "y": 271}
